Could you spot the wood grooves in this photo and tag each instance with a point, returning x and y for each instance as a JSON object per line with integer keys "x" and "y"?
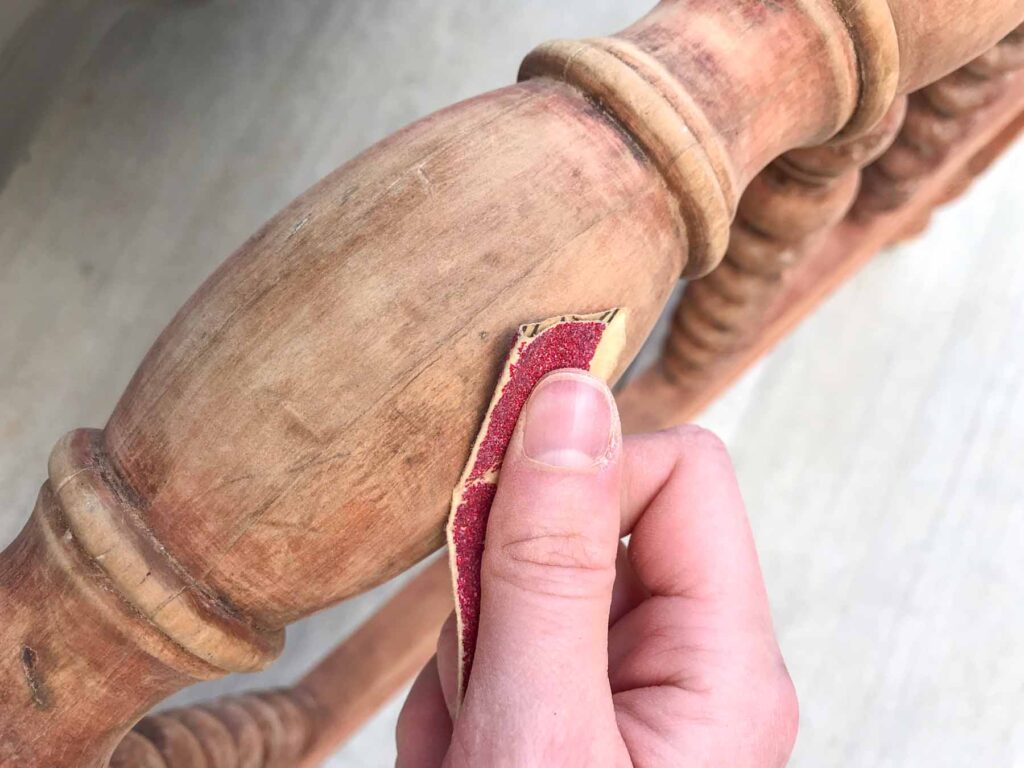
{"x": 788, "y": 206}
{"x": 651, "y": 401}
{"x": 643, "y": 96}
{"x": 937, "y": 118}
{"x": 291, "y": 438}
{"x": 783, "y": 212}
{"x": 269, "y": 729}
{"x": 786, "y": 210}
{"x": 794, "y": 202}
{"x": 102, "y": 517}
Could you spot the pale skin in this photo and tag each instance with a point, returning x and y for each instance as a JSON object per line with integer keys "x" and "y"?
{"x": 592, "y": 653}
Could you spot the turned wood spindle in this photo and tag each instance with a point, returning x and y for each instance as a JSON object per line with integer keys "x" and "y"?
{"x": 782, "y": 214}
{"x": 938, "y": 115}
{"x": 269, "y": 729}
{"x": 366, "y": 669}
{"x": 293, "y": 435}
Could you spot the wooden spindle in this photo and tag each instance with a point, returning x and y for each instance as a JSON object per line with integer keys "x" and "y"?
{"x": 293, "y": 436}
{"x": 372, "y": 665}
{"x": 652, "y": 401}
{"x": 782, "y": 214}
{"x": 310, "y": 719}
{"x": 365, "y": 670}
{"x": 937, "y": 118}
{"x": 269, "y": 729}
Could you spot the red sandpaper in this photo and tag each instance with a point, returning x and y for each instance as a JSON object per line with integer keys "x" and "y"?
{"x": 589, "y": 342}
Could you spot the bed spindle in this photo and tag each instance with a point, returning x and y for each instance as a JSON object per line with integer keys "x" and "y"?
{"x": 293, "y": 436}
{"x": 784, "y": 212}
{"x": 269, "y": 729}
{"x": 938, "y": 115}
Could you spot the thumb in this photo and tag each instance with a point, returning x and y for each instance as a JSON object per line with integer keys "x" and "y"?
{"x": 549, "y": 562}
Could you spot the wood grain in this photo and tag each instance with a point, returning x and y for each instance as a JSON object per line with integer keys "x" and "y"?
{"x": 937, "y": 118}
{"x": 789, "y": 207}
{"x": 369, "y": 668}
{"x": 257, "y": 446}
{"x": 784, "y": 212}
{"x": 653, "y": 401}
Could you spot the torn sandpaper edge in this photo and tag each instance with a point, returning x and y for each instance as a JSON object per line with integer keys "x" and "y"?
{"x": 593, "y": 343}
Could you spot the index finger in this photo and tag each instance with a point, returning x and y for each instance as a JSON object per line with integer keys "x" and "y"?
{"x": 690, "y": 533}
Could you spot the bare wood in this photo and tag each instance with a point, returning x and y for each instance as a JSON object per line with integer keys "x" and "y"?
{"x": 301, "y": 726}
{"x": 87, "y": 627}
{"x": 367, "y": 669}
{"x": 937, "y": 118}
{"x": 937, "y": 38}
{"x": 649, "y": 402}
{"x": 270, "y": 729}
{"x": 293, "y": 435}
{"x": 963, "y": 180}
{"x": 786, "y": 208}
{"x": 652, "y": 401}
{"x": 795, "y": 200}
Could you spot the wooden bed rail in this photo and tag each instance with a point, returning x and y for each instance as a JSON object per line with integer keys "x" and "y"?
{"x": 293, "y": 436}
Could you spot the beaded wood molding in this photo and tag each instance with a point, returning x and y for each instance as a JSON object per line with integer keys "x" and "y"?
{"x": 657, "y": 398}
{"x": 938, "y": 117}
{"x": 264, "y": 730}
{"x": 790, "y": 207}
{"x": 783, "y": 212}
{"x": 292, "y": 437}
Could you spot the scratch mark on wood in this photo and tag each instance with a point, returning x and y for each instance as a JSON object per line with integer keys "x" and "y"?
{"x": 34, "y": 679}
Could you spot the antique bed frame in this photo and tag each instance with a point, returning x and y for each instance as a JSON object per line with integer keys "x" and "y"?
{"x": 293, "y": 436}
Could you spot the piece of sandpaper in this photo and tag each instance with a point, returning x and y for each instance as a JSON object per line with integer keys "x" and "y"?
{"x": 593, "y": 343}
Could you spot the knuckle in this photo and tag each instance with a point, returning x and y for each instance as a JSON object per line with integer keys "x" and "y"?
{"x": 690, "y": 438}
{"x": 556, "y": 550}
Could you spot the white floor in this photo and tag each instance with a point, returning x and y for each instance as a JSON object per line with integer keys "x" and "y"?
{"x": 880, "y": 447}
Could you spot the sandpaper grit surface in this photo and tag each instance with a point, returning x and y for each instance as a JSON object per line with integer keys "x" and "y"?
{"x": 593, "y": 343}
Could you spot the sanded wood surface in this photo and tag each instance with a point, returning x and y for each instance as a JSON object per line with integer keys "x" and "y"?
{"x": 878, "y": 462}
{"x": 653, "y": 400}
{"x": 64, "y": 200}
{"x": 648, "y": 407}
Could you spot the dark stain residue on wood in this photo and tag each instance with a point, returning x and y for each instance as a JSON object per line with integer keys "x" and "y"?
{"x": 596, "y": 107}
{"x": 33, "y": 678}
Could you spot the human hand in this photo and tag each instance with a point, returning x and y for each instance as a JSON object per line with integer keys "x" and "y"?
{"x": 589, "y": 653}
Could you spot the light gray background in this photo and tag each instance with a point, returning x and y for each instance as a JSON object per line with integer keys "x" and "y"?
{"x": 879, "y": 447}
